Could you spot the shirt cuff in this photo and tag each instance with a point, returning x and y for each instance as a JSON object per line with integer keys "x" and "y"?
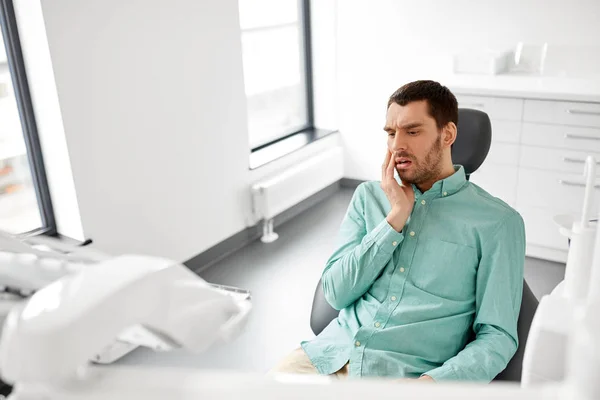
{"x": 386, "y": 238}
{"x": 443, "y": 373}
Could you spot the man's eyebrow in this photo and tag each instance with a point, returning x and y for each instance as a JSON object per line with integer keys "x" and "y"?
{"x": 412, "y": 125}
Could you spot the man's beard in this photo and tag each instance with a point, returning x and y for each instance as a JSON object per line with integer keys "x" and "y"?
{"x": 426, "y": 170}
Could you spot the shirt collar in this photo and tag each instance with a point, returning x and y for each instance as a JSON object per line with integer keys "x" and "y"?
{"x": 448, "y": 186}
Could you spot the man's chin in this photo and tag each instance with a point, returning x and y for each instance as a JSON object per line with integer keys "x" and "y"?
{"x": 407, "y": 178}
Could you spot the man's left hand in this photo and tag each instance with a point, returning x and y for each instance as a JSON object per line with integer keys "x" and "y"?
{"x": 426, "y": 378}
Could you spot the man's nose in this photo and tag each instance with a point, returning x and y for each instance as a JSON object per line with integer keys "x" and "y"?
{"x": 399, "y": 143}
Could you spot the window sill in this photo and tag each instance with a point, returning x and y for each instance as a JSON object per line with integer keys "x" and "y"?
{"x": 266, "y": 154}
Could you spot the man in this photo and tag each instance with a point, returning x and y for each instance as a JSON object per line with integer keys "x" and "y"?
{"x": 428, "y": 273}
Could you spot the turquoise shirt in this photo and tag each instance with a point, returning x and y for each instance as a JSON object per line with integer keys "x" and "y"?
{"x": 440, "y": 298}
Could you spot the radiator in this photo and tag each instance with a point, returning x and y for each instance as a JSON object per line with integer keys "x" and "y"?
{"x": 274, "y": 195}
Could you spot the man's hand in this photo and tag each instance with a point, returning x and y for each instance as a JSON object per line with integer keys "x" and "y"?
{"x": 424, "y": 378}
{"x": 401, "y": 198}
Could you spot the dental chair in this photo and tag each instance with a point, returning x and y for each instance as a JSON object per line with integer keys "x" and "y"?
{"x": 470, "y": 150}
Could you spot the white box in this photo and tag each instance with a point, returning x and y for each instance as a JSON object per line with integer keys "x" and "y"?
{"x": 482, "y": 62}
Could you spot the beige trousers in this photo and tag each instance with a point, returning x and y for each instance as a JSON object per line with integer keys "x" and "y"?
{"x": 297, "y": 362}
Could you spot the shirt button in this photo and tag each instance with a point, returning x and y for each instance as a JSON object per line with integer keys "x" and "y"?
{"x": 377, "y": 324}
{"x": 393, "y": 298}
{"x": 423, "y": 202}
{"x": 394, "y": 243}
{"x": 357, "y": 344}
{"x": 412, "y": 233}
{"x": 402, "y": 269}
{"x": 445, "y": 193}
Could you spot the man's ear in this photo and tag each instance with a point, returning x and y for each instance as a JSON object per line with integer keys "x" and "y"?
{"x": 449, "y": 134}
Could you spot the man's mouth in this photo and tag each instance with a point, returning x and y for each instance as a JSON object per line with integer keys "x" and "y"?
{"x": 403, "y": 163}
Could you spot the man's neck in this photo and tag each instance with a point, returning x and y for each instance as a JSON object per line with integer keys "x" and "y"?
{"x": 447, "y": 171}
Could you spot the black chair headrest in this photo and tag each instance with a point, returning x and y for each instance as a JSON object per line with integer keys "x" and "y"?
{"x": 472, "y": 140}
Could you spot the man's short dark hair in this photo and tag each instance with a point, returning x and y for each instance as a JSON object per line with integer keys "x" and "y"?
{"x": 443, "y": 106}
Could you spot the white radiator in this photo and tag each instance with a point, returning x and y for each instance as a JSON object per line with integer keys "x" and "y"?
{"x": 272, "y": 196}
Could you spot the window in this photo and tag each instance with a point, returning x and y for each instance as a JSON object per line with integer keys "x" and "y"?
{"x": 25, "y": 204}
{"x": 276, "y": 60}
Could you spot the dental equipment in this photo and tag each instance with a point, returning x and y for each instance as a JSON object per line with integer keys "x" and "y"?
{"x": 545, "y": 356}
{"x": 30, "y": 263}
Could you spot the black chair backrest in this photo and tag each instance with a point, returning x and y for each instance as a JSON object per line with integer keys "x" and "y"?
{"x": 473, "y": 139}
{"x": 469, "y": 150}
{"x": 513, "y": 370}
{"x": 322, "y": 313}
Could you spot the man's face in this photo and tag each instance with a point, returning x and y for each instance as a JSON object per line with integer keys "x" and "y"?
{"x": 415, "y": 142}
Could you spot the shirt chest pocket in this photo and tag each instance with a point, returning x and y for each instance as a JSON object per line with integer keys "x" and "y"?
{"x": 445, "y": 269}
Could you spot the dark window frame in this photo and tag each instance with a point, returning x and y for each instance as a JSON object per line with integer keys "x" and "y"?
{"x": 18, "y": 75}
{"x": 307, "y": 52}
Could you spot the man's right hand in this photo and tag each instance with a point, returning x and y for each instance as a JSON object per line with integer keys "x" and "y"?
{"x": 401, "y": 198}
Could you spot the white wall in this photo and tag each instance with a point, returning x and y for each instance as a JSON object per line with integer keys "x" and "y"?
{"x": 323, "y": 16}
{"x": 153, "y": 105}
{"x": 384, "y": 43}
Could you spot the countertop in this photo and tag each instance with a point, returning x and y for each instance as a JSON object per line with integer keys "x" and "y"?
{"x": 529, "y": 87}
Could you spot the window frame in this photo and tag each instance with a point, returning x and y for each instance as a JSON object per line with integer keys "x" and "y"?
{"x": 16, "y": 64}
{"x": 306, "y": 52}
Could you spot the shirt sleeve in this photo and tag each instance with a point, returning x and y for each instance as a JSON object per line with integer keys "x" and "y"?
{"x": 498, "y": 301}
{"x": 360, "y": 256}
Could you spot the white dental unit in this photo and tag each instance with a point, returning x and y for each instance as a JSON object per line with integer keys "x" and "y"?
{"x": 89, "y": 307}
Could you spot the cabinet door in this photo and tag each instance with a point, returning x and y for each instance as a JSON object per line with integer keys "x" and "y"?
{"x": 506, "y": 131}
{"x": 547, "y": 159}
{"x": 540, "y": 228}
{"x": 503, "y": 154}
{"x": 556, "y": 191}
{"x": 561, "y": 137}
{"x": 499, "y": 108}
{"x": 498, "y": 180}
{"x": 562, "y": 112}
